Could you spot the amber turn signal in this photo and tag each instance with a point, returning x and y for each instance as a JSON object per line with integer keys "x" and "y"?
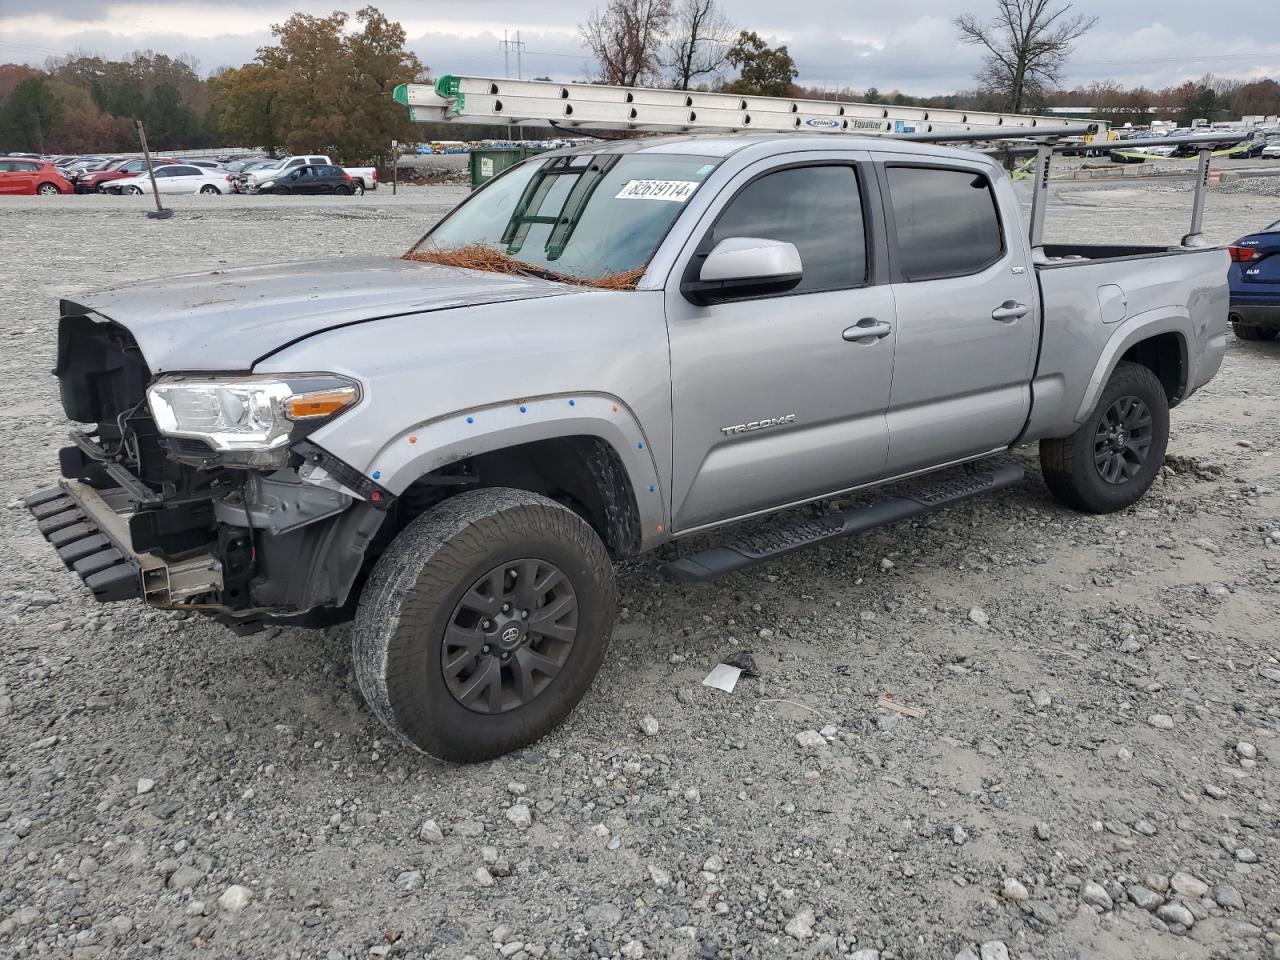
{"x": 321, "y": 403}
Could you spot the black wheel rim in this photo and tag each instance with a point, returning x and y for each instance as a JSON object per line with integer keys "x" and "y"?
{"x": 1122, "y": 440}
{"x": 509, "y": 636}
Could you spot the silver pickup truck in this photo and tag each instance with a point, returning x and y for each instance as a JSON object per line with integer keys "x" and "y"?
{"x": 605, "y": 349}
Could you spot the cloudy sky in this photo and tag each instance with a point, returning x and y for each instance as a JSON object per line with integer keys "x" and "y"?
{"x": 909, "y": 44}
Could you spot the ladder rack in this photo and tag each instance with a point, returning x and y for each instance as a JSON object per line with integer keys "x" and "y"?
{"x": 585, "y": 106}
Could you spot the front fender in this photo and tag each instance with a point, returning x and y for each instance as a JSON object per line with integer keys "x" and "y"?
{"x": 416, "y": 451}
{"x": 1131, "y": 331}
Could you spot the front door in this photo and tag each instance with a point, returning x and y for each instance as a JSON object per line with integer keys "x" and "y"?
{"x": 968, "y": 313}
{"x": 778, "y": 399}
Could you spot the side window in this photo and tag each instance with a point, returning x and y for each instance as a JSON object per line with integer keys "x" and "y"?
{"x": 319, "y": 160}
{"x": 816, "y": 208}
{"x": 947, "y": 222}
{"x": 7, "y": 166}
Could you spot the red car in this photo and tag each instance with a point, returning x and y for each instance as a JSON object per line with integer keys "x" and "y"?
{"x": 19, "y": 175}
{"x": 92, "y": 182}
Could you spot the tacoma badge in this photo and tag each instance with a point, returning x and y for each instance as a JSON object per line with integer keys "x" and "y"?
{"x": 759, "y": 425}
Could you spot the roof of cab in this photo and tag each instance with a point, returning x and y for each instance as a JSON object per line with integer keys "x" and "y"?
{"x": 726, "y": 145}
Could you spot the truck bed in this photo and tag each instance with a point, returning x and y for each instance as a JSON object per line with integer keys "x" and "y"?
{"x": 1096, "y": 298}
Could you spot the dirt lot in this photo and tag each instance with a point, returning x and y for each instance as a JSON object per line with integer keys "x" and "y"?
{"x": 1094, "y": 774}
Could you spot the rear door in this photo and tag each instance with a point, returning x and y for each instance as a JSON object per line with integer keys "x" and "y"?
{"x": 967, "y": 313}
{"x": 776, "y": 399}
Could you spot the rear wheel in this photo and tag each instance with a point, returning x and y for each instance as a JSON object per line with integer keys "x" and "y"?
{"x": 48, "y": 190}
{"x": 483, "y": 624}
{"x": 209, "y": 188}
{"x": 1112, "y": 460}
{"x": 358, "y": 189}
{"x": 1246, "y": 331}
{"x": 342, "y": 190}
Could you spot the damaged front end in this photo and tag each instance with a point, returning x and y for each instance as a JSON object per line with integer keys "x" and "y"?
{"x": 203, "y": 493}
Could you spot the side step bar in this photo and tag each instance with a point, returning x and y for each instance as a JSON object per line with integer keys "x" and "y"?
{"x": 771, "y": 544}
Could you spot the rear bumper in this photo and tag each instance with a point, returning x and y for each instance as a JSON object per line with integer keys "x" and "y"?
{"x": 1256, "y": 314}
{"x": 90, "y": 532}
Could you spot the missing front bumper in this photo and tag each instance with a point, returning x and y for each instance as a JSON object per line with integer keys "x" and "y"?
{"x": 89, "y": 529}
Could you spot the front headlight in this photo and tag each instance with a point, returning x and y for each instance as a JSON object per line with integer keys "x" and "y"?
{"x": 247, "y": 417}
{"x": 269, "y": 183}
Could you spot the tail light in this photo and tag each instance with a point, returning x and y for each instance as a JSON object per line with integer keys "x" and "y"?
{"x": 1244, "y": 254}
{"x": 375, "y": 174}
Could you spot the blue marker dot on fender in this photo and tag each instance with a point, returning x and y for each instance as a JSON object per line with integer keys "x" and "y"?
{"x": 377, "y": 474}
{"x": 573, "y": 403}
{"x": 523, "y": 410}
{"x": 640, "y": 445}
{"x": 652, "y": 488}
{"x": 471, "y": 419}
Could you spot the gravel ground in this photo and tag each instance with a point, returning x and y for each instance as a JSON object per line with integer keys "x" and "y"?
{"x": 1094, "y": 773}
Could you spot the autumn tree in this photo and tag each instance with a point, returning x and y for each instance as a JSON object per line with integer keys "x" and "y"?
{"x": 762, "y": 71}
{"x": 320, "y": 88}
{"x": 697, "y": 43}
{"x": 626, "y": 38}
{"x": 1025, "y": 48}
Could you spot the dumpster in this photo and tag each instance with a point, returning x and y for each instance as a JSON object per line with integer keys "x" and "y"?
{"x": 488, "y": 162}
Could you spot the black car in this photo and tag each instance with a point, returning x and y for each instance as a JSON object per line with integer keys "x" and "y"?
{"x": 312, "y": 178}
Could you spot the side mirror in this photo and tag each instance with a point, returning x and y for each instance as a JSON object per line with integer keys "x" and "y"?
{"x": 739, "y": 267}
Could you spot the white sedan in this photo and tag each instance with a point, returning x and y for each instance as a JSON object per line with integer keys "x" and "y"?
{"x": 174, "y": 178}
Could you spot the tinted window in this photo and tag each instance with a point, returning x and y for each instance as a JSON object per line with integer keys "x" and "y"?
{"x": 816, "y": 208}
{"x": 185, "y": 171}
{"x": 947, "y": 222}
{"x": 316, "y": 159}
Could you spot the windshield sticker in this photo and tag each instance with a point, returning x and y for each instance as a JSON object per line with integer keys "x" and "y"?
{"x": 677, "y": 191}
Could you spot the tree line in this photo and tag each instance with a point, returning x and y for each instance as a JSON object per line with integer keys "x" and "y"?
{"x": 324, "y": 86}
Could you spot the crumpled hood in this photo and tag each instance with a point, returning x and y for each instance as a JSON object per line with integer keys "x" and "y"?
{"x": 228, "y": 320}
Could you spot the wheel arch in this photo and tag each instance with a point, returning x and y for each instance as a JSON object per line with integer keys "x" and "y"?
{"x": 1159, "y": 343}
{"x": 585, "y": 450}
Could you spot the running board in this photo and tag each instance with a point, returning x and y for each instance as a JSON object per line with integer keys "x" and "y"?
{"x": 779, "y": 541}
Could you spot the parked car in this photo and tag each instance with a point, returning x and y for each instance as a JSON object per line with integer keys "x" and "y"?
{"x": 1249, "y": 150}
{"x": 309, "y": 179}
{"x": 240, "y": 179}
{"x": 362, "y": 178}
{"x": 173, "y": 178}
{"x": 22, "y": 176}
{"x": 96, "y": 181}
{"x": 602, "y": 350}
{"x": 1255, "y": 284}
{"x": 1271, "y": 151}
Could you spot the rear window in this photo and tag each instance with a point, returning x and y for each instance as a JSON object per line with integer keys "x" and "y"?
{"x": 947, "y": 222}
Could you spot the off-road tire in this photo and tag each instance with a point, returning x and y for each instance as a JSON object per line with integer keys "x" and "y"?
{"x": 1247, "y": 331}
{"x": 412, "y": 596}
{"x": 1068, "y": 466}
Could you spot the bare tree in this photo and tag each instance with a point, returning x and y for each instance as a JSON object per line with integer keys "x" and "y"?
{"x": 1026, "y": 43}
{"x": 626, "y": 39}
{"x": 697, "y": 44}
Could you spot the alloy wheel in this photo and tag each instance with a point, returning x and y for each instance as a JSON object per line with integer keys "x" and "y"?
{"x": 1122, "y": 440}
{"x": 509, "y": 636}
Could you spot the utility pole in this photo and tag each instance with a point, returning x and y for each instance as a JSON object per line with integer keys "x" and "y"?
{"x": 508, "y": 45}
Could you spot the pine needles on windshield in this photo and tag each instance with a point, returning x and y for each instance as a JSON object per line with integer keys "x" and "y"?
{"x": 480, "y": 256}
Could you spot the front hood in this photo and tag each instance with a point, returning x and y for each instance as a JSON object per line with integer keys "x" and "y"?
{"x": 228, "y": 320}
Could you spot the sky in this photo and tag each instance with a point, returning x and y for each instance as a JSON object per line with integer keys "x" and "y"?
{"x": 909, "y": 45}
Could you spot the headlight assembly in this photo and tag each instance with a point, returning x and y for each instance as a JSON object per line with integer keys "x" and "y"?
{"x": 249, "y": 420}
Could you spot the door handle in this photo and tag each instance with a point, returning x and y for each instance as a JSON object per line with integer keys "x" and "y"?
{"x": 1009, "y": 311}
{"x": 868, "y": 330}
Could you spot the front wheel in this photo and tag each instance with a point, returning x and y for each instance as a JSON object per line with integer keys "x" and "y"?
{"x": 1112, "y": 460}
{"x": 132, "y": 191}
{"x": 1247, "y": 331}
{"x": 209, "y": 189}
{"x": 483, "y": 624}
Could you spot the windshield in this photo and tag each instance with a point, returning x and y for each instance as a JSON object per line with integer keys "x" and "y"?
{"x": 580, "y": 217}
